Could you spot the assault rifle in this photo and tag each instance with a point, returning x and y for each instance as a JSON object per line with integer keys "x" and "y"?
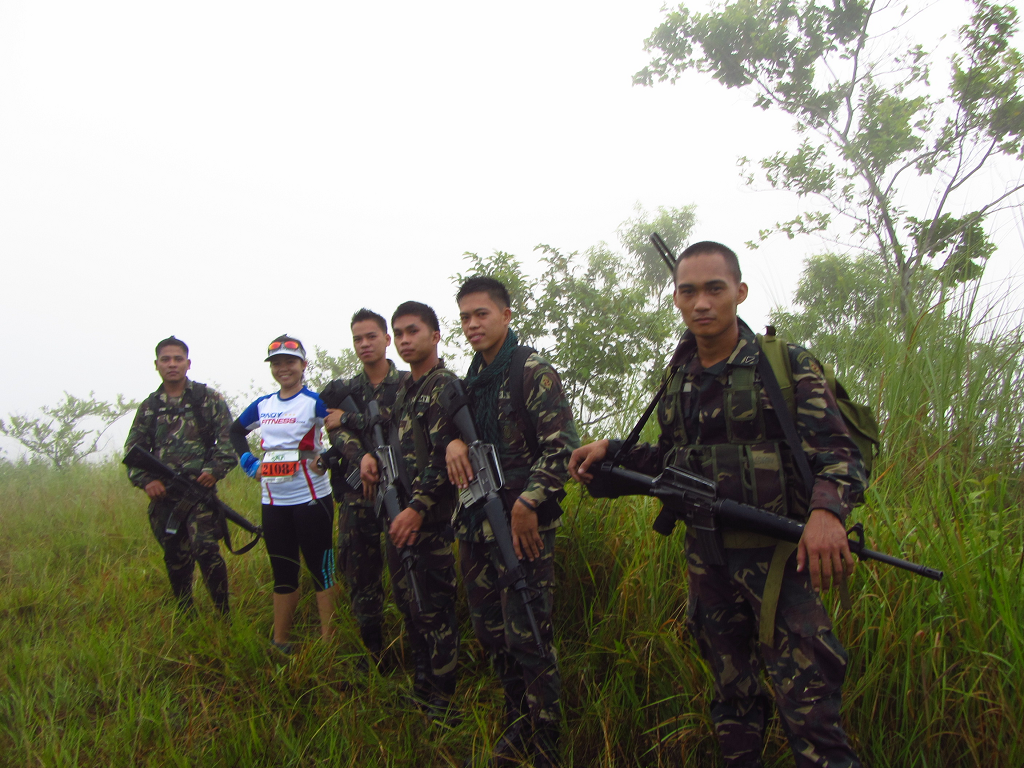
{"x": 483, "y": 491}
{"x": 339, "y": 395}
{"x": 694, "y": 500}
{"x": 190, "y": 494}
{"x": 387, "y": 496}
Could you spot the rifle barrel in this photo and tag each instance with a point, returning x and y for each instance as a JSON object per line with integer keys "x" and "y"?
{"x": 742, "y": 516}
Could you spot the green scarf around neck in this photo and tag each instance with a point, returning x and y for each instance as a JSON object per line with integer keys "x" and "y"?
{"x": 482, "y": 385}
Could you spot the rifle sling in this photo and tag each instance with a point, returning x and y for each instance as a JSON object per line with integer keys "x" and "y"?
{"x": 243, "y": 550}
{"x": 634, "y": 435}
{"x": 773, "y": 584}
{"x": 772, "y": 590}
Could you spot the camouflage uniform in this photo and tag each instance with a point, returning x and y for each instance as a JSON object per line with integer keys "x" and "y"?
{"x": 169, "y": 428}
{"x": 433, "y": 631}
{"x": 359, "y": 527}
{"x": 531, "y": 682}
{"x": 720, "y": 423}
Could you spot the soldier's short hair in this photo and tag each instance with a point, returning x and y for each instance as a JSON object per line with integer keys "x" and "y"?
{"x": 483, "y": 284}
{"x": 369, "y": 314}
{"x": 420, "y": 310}
{"x": 708, "y": 247}
{"x": 170, "y": 341}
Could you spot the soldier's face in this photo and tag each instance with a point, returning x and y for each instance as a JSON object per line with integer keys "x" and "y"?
{"x": 287, "y": 370}
{"x": 414, "y": 340}
{"x": 484, "y": 323}
{"x": 369, "y": 341}
{"x": 707, "y": 295}
{"x": 172, "y": 364}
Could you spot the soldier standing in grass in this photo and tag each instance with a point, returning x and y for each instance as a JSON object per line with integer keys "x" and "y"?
{"x": 185, "y": 424}
{"x": 420, "y": 433}
{"x": 534, "y": 434}
{"x": 717, "y": 420}
{"x": 359, "y": 526}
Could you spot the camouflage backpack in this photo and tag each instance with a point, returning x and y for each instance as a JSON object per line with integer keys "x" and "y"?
{"x": 859, "y": 418}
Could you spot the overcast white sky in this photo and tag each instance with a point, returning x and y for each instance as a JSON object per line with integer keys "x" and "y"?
{"x": 228, "y": 171}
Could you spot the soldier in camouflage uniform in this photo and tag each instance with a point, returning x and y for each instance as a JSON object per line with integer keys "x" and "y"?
{"x": 717, "y": 420}
{"x": 534, "y": 433}
{"x": 359, "y": 527}
{"x": 420, "y": 432}
{"x": 185, "y": 424}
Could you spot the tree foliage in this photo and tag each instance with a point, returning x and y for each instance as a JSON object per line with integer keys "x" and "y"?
{"x": 68, "y": 432}
{"x": 323, "y": 368}
{"x": 601, "y": 317}
{"x": 873, "y": 128}
{"x": 951, "y": 385}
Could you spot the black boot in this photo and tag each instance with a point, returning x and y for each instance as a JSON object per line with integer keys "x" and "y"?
{"x": 512, "y": 746}
{"x": 373, "y": 639}
{"x": 421, "y": 679}
{"x": 440, "y": 709}
{"x": 544, "y": 746}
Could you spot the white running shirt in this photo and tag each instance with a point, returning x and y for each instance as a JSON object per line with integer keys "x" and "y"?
{"x": 293, "y": 424}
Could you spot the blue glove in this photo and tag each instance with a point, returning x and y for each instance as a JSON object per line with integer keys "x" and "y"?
{"x": 250, "y": 464}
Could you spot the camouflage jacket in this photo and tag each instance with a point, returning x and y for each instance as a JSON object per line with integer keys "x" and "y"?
{"x": 172, "y": 433}
{"x": 431, "y": 493}
{"x": 351, "y": 438}
{"x": 714, "y": 425}
{"x": 537, "y": 477}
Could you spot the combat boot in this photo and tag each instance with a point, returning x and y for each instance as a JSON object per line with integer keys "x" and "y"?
{"x": 374, "y": 641}
{"x": 421, "y": 679}
{"x": 440, "y": 709}
{"x": 513, "y": 745}
{"x": 544, "y": 746}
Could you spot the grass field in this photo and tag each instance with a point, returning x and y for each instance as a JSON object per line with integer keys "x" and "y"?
{"x": 98, "y": 669}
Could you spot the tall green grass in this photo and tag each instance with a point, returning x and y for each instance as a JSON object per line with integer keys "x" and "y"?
{"x": 96, "y": 668}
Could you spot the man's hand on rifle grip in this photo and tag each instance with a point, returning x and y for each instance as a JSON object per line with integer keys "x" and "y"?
{"x": 584, "y": 457}
{"x": 369, "y": 473}
{"x": 824, "y": 550}
{"x": 404, "y": 527}
{"x": 460, "y": 470}
{"x": 206, "y": 480}
{"x": 526, "y": 538}
{"x": 155, "y": 489}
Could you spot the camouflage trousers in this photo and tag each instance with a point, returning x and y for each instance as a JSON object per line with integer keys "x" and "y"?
{"x": 362, "y": 565}
{"x": 195, "y": 541}
{"x": 433, "y": 630}
{"x": 806, "y": 663}
{"x": 531, "y": 683}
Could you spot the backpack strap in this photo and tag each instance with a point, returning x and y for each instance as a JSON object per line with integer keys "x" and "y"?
{"x": 198, "y": 400}
{"x": 516, "y": 388}
{"x": 782, "y": 408}
{"x": 777, "y": 352}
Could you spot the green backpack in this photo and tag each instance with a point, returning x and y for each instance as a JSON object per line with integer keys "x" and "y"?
{"x": 859, "y": 418}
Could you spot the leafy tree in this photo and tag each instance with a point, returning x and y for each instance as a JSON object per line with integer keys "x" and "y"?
{"x": 873, "y": 129}
{"x": 68, "y": 432}
{"x": 324, "y": 368}
{"x": 601, "y": 317}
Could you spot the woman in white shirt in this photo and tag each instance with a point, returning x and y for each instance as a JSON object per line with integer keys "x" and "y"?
{"x": 298, "y": 512}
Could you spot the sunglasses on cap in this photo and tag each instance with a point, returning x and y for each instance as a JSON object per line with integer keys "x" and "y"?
{"x": 286, "y": 347}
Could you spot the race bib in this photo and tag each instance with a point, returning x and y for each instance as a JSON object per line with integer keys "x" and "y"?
{"x": 278, "y": 466}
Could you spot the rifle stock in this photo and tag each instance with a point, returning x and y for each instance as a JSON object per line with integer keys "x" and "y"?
{"x": 692, "y": 498}
{"x": 189, "y": 494}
